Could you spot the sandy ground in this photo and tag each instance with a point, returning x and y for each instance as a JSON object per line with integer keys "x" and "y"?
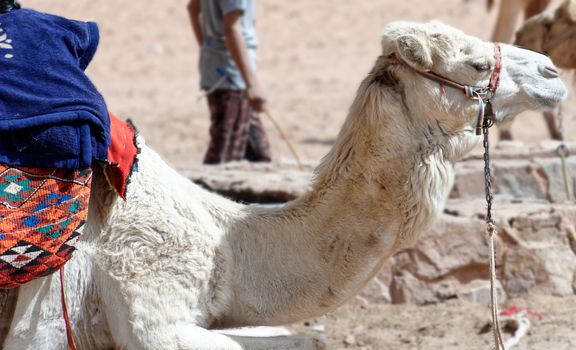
{"x": 455, "y": 325}
{"x": 313, "y": 55}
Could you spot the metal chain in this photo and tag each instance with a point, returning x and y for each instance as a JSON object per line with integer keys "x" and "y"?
{"x": 490, "y": 227}
{"x": 488, "y": 122}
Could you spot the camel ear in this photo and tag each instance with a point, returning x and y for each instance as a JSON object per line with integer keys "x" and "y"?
{"x": 415, "y": 51}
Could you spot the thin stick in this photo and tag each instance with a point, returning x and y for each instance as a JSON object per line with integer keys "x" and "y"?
{"x": 566, "y": 176}
{"x": 283, "y": 135}
{"x": 562, "y": 152}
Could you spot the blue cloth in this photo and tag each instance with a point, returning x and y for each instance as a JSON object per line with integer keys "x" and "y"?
{"x": 51, "y": 115}
{"x": 217, "y": 68}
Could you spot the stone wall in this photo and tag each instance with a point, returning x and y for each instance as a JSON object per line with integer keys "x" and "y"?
{"x": 536, "y": 253}
{"x": 536, "y": 245}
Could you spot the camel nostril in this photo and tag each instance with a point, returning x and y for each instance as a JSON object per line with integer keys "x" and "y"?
{"x": 550, "y": 72}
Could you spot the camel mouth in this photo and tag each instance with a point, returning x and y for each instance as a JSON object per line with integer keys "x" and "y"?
{"x": 549, "y": 99}
{"x": 546, "y": 97}
{"x": 550, "y": 95}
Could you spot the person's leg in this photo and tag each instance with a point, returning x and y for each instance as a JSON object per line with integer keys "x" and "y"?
{"x": 226, "y": 113}
{"x": 258, "y": 147}
{"x": 239, "y": 136}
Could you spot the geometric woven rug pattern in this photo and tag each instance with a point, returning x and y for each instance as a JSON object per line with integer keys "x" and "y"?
{"x": 42, "y": 212}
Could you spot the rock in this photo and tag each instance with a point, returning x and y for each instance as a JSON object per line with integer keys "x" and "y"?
{"x": 539, "y": 224}
{"x": 519, "y": 179}
{"x": 349, "y": 340}
{"x": 523, "y": 177}
{"x": 542, "y": 268}
{"x": 407, "y": 289}
{"x": 469, "y": 179}
{"x": 442, "y": 264}
{"x": 479, "y": 291}
{"x": 252, "y": 183}
{"x": 453, "y": 253}
{"x": 553, "y": 172}
{"x": 378, "y": 290}
{"x": 544, "y": 260}
{"x": 535, "y": 253}
{"x": 452, "y": 244}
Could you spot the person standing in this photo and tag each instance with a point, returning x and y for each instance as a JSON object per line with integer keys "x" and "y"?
{"x": 225, "y": 32}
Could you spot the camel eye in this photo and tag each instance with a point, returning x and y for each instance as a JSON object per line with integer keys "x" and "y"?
{"x": 481, "y": 67}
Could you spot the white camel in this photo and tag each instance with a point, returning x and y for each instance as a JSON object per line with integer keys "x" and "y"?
{"x": 173, "y": 262}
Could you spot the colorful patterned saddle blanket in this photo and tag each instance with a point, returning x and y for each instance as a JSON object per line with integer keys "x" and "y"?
{"x": 42, "y": 211}
{"x": 41, "y": 215}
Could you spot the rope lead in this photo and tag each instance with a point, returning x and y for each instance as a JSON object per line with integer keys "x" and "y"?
{"x": 491, "y": 230}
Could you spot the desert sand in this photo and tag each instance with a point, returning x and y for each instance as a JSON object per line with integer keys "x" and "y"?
{"x": 313, "y": 55}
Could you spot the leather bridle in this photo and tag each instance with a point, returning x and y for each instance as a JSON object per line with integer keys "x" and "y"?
{"x": 483, "y": 95}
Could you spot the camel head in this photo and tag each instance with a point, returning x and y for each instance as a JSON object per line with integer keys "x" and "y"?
{"x": 527, "y": 80}
{"x": 552, "y": 32}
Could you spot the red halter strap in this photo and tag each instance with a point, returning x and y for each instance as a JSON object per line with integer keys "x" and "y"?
{"x": 482, "y": 94}
{"x": 495, "y": 77}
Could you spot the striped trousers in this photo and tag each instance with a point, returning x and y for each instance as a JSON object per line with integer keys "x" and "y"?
{"x": 236, "y": 132}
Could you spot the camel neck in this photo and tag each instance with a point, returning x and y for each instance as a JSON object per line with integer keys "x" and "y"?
{"x": 372, "y": 196}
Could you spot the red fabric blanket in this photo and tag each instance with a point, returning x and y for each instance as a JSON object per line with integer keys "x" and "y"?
{"x": 121, "y": 154}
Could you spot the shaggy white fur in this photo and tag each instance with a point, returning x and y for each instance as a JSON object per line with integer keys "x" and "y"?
{"x": 160, "y": 270}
